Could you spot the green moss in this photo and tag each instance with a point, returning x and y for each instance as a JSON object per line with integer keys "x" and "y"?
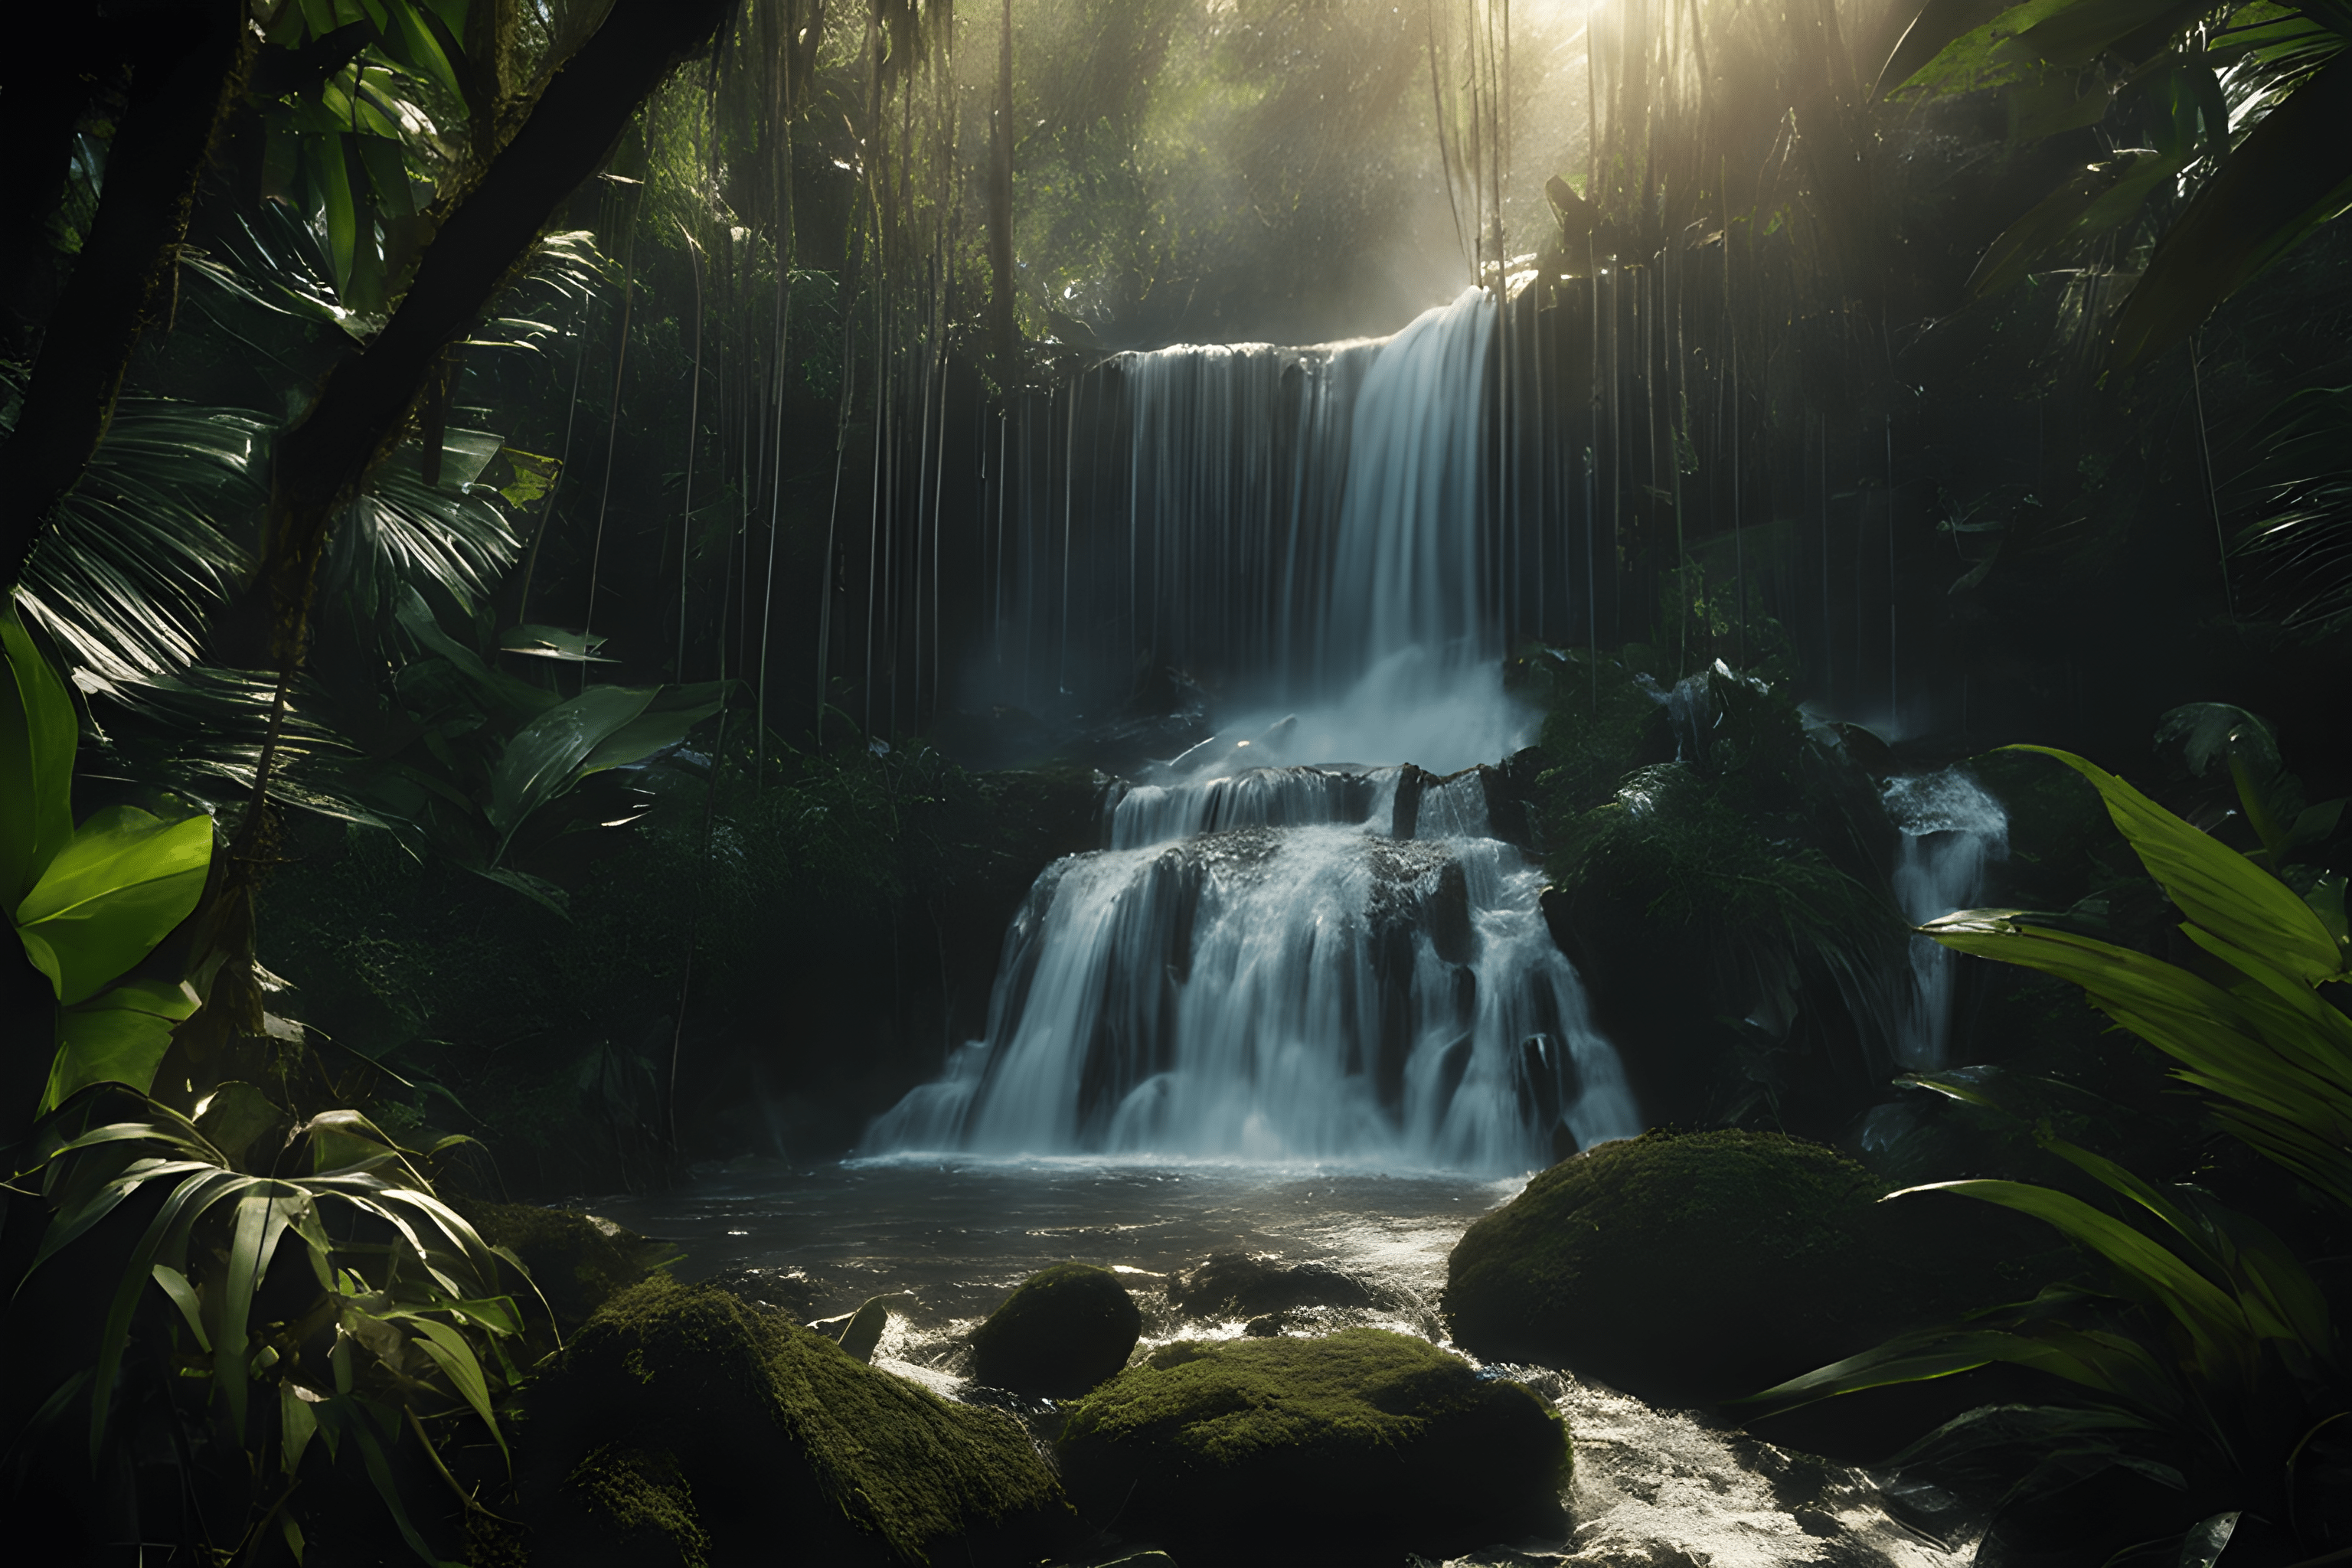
{"x": 1306, "y": 1449}
{"x": 1064, "y": 1331}
{"x": 641, "y": 1497}
{"x": 780, "y": 1435}
{"x": 1687, "y": 1268}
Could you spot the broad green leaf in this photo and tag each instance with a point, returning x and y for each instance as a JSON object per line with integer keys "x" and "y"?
{"x": 2203, "y": 1545}
{"x": 544, "y": 758}
{"x": 379, "y": 1471}
{"x": 418, "y": 48}
{"x": 297, "y": 1423}
{"x": 653, "y": 730}
{"x": 2215, "y": 1322}
{"x": 38, "y": 735}
{"x": 1937, "y": 24}
{"x": 184, "y": 1296}
{"x": 261, "y": 1218}
{"x": 2214, "y": 885}
{"x": 117, "y": 1038}
{"x": 234, "y": 1116}
{"x": 2078, "y": 33}
{"x": 552, "y": 642}
{"x": 345, "y": 1140}
{"x": 114, "y": 892}
{"x": 2290, "y": 174}
{"x": 458, "y": 1363}
{"x": 417, "y": 619}
{"x": 1984, "y": 54}
{"x": 1941, "y": 1353}
{"x": 2085, "y": 207}
{"x": 324, "y": 158}
{"x": 186, "y": 1203}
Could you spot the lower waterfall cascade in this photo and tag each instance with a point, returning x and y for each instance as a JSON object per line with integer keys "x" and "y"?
{"x": 1297, "y": 943}
{"x": 1951, "y": 829}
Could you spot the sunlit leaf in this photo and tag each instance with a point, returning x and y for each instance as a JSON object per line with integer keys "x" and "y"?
{"x": 114, "y": 892}
{"x": 38, "y": 735}
{"x": 119, "y": 1036}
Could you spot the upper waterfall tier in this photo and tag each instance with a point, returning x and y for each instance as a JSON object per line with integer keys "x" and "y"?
{"x": 1303, "y": 530}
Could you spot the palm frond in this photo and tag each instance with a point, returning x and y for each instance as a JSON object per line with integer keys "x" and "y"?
{"x": 150, "y": 540}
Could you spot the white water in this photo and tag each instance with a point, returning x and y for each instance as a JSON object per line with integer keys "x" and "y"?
{"x": 945, "y": 1241}
{"x": 1951, "y": 828}
{"x": 1284, "y": 953}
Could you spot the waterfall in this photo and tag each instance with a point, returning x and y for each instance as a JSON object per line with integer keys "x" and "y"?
{"x": 1297, "y": 943}
{"x": 1951, "y": 828}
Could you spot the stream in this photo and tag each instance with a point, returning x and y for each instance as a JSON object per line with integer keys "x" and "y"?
{"x": 948, "y": 1239}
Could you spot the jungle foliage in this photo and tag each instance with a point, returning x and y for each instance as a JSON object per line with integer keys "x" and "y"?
{"x": 2212, "y": 1365}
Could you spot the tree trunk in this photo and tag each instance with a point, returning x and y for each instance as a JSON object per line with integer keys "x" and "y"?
{"x": 364, "y": 405}
{"x": 189, "y": 67}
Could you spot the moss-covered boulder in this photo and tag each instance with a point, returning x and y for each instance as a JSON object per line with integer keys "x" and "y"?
{"x": 1064, "y": 1331}
{"x": 684, "y": 1425}
{"x": 1304, "y": 1451}
{"x": 1687, "y": 1268}
{"x": 1237, "y": 1285}
{"x": 579, "y": 1261}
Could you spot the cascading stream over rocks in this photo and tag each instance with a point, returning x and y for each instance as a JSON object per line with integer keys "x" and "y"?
{"x": 1297, "y": 943}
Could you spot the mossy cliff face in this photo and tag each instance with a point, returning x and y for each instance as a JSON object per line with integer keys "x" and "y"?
{"x": 1685, "y": 1268}
{"x": 1066, "y": 1329}
{"x": 1304, "y": 1451}
{"x": 684, "y": 1425}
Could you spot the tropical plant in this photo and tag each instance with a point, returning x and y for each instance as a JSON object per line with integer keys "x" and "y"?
{"x": 89, "y": 903}
{"x": 2252, "y": 112}
{"x": 2218, "y": 1357}
{"x": 270, "y": 1289}
{"x": 486, "y": 753}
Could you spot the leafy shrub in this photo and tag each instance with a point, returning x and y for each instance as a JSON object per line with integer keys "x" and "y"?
{"x": 275, "y": 1303}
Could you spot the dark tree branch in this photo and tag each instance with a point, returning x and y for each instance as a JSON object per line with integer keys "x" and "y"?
{"x": 190, "y": 66}
{"x": 365, "y": 404}
{"x": 361, "y": 411}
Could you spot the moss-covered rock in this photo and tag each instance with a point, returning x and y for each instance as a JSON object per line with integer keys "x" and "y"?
{"x": 1687, "y": 1268}
{"x": 1064, "y": 1331}
{"x": 1236, "y": 1285}
{"x": 1307, "y": 1451}
{"x": 577, "y": 1260}
{"x": 683, "y": 1424}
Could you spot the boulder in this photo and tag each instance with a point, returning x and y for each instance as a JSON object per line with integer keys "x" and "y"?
{"x": 1687, "y": 1268}
{"x": 577, "y": 1260}
{"x": 683, "y": 1424}
{"x": 1235, "y": 1284}
{"x": 1064, "y": 1331}
{"x": 1364, "y": 1444}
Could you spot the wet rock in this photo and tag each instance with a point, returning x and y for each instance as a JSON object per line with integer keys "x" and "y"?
{"x": 578, "y": 1261}
{"x": 683, "y": 1424}
{"x": 1064, "y": 1331}
{"x": 1308, "y": 1451}
{"x": 1266, "y": 1328}
{"x": 1688, "y": 1269}
{"x": 1235, "y": 1284}
{"x": 787, "y": 1290}
{"x": 863, "y": 1330}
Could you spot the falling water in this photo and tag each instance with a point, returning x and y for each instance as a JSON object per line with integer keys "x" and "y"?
{"x": 1951, "y": 828}
{"x": 1297, "y": 943}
